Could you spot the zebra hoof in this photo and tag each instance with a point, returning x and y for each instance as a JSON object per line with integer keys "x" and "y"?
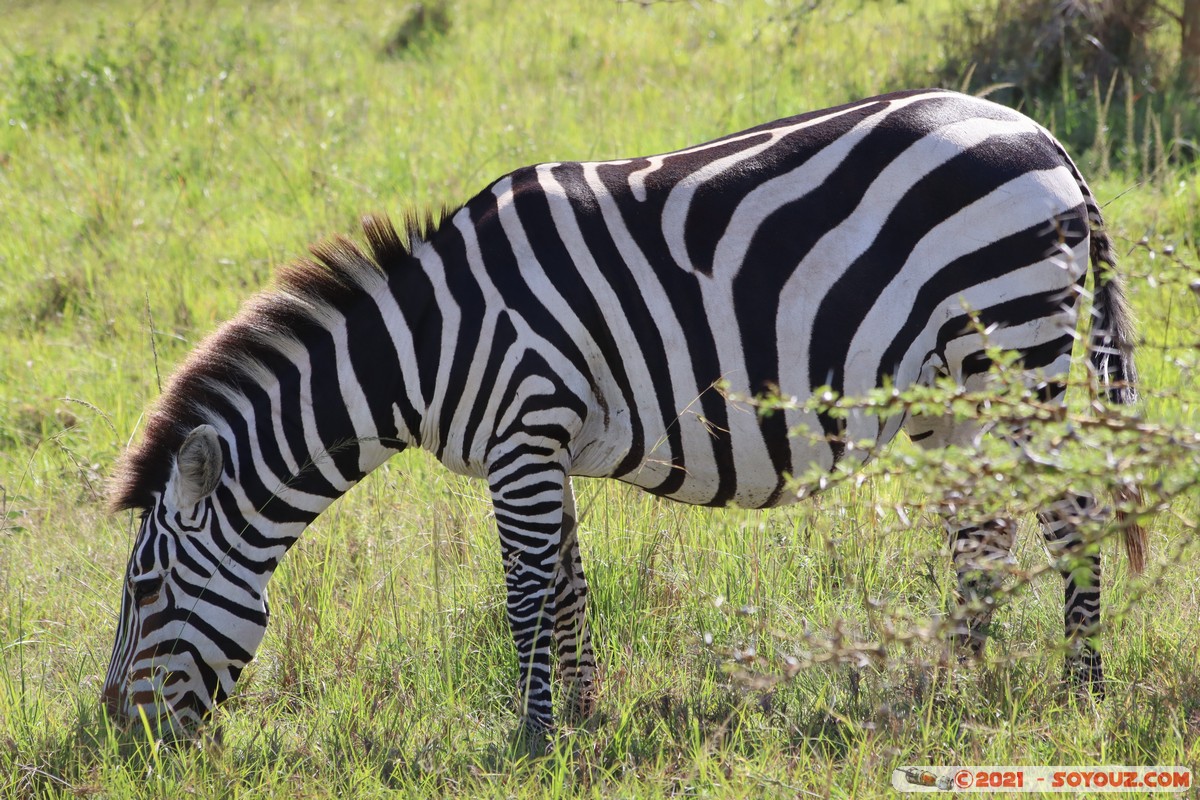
{"x": 1084, "y": 673}
{"x": 579, "y": 708}
{"x": 968, "y": 645}
{"x": 531, "y": 739}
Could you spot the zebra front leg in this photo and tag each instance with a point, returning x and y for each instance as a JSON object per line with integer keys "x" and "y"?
{"x": 529, "y": 515}
{"x": 1079, "y": 566}
{"x": 572, "y": 636}
{"x": 980, "y": 553}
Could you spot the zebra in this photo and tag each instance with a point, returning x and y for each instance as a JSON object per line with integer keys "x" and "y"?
{"x": 610, "y": 319}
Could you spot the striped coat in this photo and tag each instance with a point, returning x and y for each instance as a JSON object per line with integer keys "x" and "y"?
{"x": 611, "y": 319}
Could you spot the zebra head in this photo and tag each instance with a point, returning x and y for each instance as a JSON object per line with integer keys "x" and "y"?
{"x": 191, "y": 617}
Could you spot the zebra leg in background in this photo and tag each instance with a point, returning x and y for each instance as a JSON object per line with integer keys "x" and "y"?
{"x": 572, "y": 636}
{"x": 980, "y": 553}
{"x": 1079, "y": 566}
{"x": 980, "y": 550}
{"x": 528, "y": 500}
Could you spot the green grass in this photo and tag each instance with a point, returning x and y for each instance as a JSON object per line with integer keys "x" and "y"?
{"x": 157, "y": 161}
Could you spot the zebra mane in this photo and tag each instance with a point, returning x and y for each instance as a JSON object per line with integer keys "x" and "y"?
{"x": 305, "y": 294}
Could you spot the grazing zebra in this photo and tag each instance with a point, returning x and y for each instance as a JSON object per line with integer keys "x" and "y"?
{"x": 603, "y": 319}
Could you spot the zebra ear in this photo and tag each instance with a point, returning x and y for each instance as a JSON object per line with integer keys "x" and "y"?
{"x": 199, "y": 463}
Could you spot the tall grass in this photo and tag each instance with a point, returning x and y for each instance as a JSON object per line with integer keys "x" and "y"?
{"x": 157, "y": 162}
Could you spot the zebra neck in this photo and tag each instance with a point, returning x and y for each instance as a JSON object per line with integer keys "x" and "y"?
{"x": 341, "y": 398}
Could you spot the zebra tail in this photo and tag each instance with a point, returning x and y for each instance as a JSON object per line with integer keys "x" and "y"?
{"x": 1111, "y": 350}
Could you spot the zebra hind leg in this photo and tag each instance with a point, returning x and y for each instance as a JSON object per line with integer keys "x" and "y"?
{"x": 572, "y": 636}
{"x": 1079, "y": 566}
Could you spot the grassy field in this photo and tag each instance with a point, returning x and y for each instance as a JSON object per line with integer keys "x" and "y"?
{"x": 158, "y": 160}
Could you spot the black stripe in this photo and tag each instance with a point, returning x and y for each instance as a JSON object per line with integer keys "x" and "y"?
{"x": 264, "y": 429}
{"x": 504, "y": 269}
{"x": 334, "y": 427}
{"x": 504, "y": 336}
{"x": 202, "y": 594}
{"x": 1013, "y": 312}
{"x": 717, "y": 199}
{"x": 414, "y": 295}
{"x": 243, "y": 530}
{"x": 375, "y": 365}
{"x": 599, "y": 242}
{"x": 184, "y": 558}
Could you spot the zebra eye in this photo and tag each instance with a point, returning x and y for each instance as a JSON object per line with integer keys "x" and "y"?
{"x": 145, "y": 590}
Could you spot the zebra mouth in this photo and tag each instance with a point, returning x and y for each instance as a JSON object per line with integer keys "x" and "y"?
{"x": 127, "y": 707}
{"x": 146, "y": 699}
{"x": 149, "y": 712}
